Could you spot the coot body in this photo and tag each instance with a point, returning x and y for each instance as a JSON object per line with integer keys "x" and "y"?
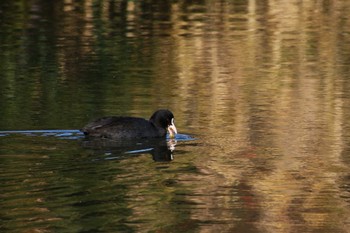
{"x": 115, "y": 127}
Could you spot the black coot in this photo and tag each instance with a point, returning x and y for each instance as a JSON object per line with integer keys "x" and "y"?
{"x": 133, "y": 127}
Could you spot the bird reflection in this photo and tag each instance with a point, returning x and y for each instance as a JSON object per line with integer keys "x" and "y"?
{"x": 160, "y": 149}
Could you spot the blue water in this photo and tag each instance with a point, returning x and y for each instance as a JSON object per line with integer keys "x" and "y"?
{"x": 64, "y": 134}
{"x": 70, "y": 134}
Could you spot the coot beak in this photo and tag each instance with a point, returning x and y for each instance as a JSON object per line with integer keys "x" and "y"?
{"x": 172, "y": 129}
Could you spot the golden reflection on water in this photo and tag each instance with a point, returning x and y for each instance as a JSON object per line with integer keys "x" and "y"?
{"x": 272, "y": 94}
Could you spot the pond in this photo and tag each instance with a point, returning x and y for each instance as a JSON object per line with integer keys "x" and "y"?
{"x": 259, "y": 90}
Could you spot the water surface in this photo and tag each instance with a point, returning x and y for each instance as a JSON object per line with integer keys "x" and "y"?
{"x": 261, "y": 85}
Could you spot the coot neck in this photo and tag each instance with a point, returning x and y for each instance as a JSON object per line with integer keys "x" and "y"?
{"x": 160, "y": 129}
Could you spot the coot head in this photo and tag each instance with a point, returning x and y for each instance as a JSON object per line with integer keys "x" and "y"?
{"x": 163, "y": 118}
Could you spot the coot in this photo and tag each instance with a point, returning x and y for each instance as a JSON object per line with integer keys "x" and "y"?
{"x": 116, "y": 127}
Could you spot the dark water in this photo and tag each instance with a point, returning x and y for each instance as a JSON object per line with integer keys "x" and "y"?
{"x": 263, "y": 87}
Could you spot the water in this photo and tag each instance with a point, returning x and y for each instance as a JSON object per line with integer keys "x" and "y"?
{"x": 261, "y": 85}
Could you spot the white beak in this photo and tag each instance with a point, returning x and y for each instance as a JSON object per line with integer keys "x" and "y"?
{"x": 172, "y": 129}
